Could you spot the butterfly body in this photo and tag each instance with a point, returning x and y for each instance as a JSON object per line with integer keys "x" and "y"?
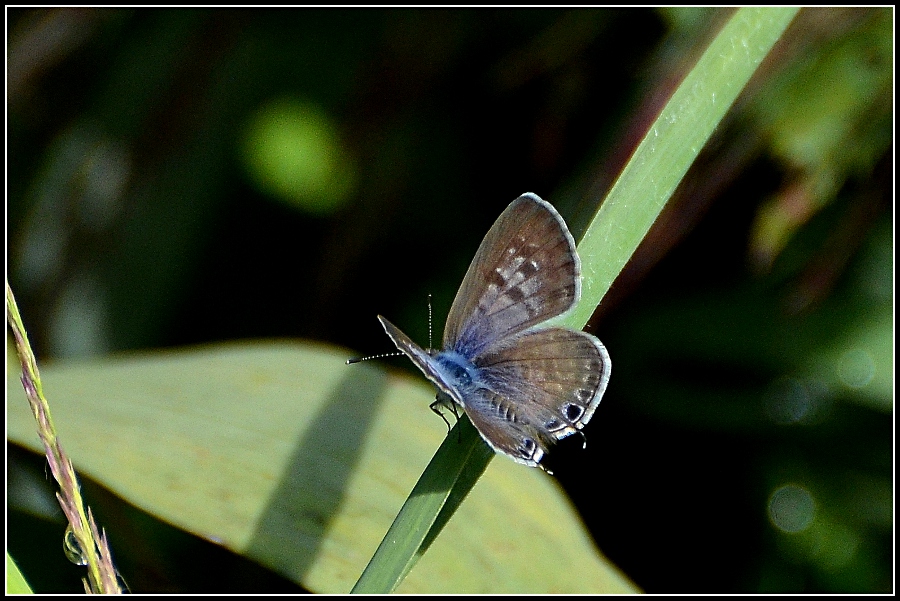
{"x": 524, "y": 385}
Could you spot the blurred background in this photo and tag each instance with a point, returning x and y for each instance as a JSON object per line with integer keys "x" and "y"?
{"x": 177, "y": 177}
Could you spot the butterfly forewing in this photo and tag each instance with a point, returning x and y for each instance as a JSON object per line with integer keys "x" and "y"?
{"x": 420, "y": 358}
{"x": 525, "y": 272}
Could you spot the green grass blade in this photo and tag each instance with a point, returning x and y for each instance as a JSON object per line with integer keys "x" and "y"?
{"x": 454, "y": 469}
{"x": 670, "y": 147}
{"x": 651, "y": 176}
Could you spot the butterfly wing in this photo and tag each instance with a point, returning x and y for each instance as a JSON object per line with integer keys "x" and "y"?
{"x": 538, "y": 387}
{"x": 525, "y": 272}
{"x": 535, "y": 388}
{"x": 420, "y": 358}
{"x": 549, "y": 381}
{"x": 499, "y": 424}
{"x": 488, "y": 411}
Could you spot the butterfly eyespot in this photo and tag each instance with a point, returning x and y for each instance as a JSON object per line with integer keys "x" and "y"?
{"x": 528, "y": 447}
{"x": 573, "y": 412}
{"x": 553, "y": 424}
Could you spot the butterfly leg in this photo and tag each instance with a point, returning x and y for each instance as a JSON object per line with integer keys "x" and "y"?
{"x": 455, "y": 413}
{"x": 436, "y": 408}
{"x": 442, "y": 401}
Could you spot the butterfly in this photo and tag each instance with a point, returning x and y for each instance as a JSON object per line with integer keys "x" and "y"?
{"x": 523, "y": 384}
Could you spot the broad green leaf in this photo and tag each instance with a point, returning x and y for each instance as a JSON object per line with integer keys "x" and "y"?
{"x": 15, "y": 582}
{"x": 283, "y": 453}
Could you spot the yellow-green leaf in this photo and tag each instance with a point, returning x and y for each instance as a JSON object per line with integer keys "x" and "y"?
{"x": 283, "y": 453}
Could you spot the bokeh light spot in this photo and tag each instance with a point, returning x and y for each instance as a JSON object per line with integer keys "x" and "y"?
{"x": 79, "y": 319}
{"x": 791, "y": 508}
{"x": 292, "y": 151}
{"x": 787, "y": 401}
{"x": 856, "y": 368}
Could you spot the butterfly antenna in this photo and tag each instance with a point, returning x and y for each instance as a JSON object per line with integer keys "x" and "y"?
{"x": 429, "y": 322}
{"x": 381, "y": 356}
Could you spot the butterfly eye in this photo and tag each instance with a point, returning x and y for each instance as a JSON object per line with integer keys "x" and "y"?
{"x": 573, "y": 412}
{"x": 455, "y": 371}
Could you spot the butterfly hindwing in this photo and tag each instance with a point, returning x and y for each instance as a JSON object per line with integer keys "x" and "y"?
{"x": 557, "y": 376}
{"x": 499, "y": 422}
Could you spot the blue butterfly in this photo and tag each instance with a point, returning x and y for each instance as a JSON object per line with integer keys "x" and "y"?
{"x": 524, "y": 385}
